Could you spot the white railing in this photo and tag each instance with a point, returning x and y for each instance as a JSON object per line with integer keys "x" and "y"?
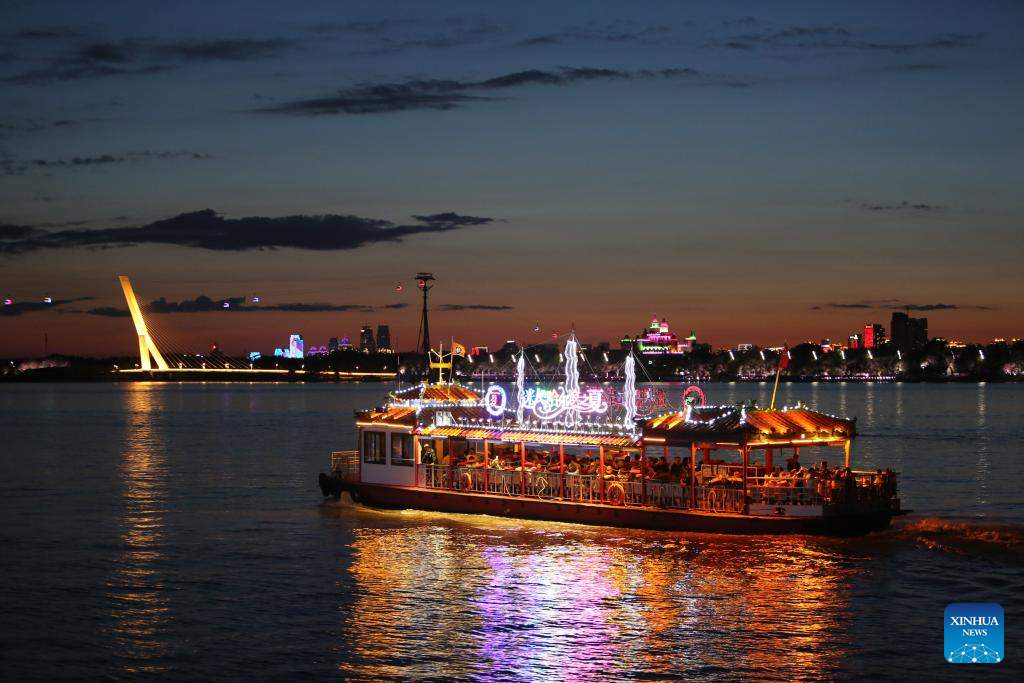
{"x": 720, "y": 498}
{"x": 668, "y": 495}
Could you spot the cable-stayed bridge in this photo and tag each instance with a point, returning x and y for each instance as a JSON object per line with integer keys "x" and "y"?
{"x": 159, "y": 357}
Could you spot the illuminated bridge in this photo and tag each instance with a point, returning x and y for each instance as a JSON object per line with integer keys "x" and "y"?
{"x": 175, "y": 363}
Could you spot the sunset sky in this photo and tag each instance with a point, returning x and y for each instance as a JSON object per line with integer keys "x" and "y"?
{"x": 753, "y": 175}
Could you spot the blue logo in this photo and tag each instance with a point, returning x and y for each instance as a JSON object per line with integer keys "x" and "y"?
{"x": 974, "y": 633}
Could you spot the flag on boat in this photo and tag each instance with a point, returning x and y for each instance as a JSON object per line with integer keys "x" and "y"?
{"x": 458, "y": 349}
{"x": 784, "y": 358}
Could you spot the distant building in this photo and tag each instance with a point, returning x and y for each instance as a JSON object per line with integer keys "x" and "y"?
{"x": 383, "y": 338}
{"x": 478, "y": 350}
{"x": 367, "y": 344}
{"x": 332, "y": 344}
{"x": 345, "y": 345}
{"x": 874, "y": 335}
{"x": 295, "y": 346}
{"x": 744, "y": 347}
{"x": 510, "y": 346}
{"x": 853, "y": 341}
{"x": 657, "y": 339}
{"x": 908, "y": 333}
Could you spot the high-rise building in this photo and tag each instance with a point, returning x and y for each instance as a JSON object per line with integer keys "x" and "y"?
{"x": 367, "y": 344}
{"x": 853, "y": 341}
{"x": 908, "y": 333}
{"x": 383, "y": 338}
{"x": 874, "y": 335}
{"x": 295, "y": 349}
{"x": 332, "y": 344}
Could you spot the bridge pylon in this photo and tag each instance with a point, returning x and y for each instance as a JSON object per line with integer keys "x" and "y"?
{"x": 146, "y": 345}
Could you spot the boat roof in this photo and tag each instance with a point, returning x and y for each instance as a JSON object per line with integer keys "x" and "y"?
{"x": 752, "y": 426}
{"x": 516, "y": 433}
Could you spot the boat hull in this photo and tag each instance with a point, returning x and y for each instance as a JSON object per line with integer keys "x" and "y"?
{"x": 440, "y": 500}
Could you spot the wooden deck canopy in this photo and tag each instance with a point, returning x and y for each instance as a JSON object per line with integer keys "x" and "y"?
{"x": 732, "y": 426}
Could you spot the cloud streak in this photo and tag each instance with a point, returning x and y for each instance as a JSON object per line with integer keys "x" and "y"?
{"x": 473, "y": 307}
{"x": 207, "y": 229}
{"x": 902, "y": 206}
{"x": 20, "y": 307}
{"x": 25, "y": 166}
{"x": 238, "y": 304}
{"x": 840, "y": 38}
{"x": 899, "y": 305}
{"x": 134, "y": 57}
{"x": 447, "y": 94}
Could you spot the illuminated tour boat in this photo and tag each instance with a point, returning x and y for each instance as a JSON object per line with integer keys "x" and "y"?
{"x": 583, "y": 455}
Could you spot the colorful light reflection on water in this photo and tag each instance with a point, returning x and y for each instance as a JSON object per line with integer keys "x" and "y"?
{"x": 505, "y": 600}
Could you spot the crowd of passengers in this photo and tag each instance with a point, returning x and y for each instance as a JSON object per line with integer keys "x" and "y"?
{"x": 798, "y": 484}
{"x": 793, "y": 484}
{"x": 617, "y": 465}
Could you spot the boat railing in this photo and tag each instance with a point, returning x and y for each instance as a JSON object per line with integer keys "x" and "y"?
{"x": 582, "y": 488}
{"x": 668, "y": 495}
{"x": 720, "y": 498}
{"x": 345, "y": 464}
{"x": 879, "y": 490}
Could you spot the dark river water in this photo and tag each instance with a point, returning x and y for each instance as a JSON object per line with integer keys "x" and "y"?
{"x": 176, "y": 532}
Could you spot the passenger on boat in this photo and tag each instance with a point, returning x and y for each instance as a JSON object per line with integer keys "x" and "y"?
{"x": 793, "y": 463}
{"x": 676, "y": 469}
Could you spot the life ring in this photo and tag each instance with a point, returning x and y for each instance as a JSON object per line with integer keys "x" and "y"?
{"x": 615, "y": 494}
{"x": 466, "y": 481}
{"x": 712, "y": 500}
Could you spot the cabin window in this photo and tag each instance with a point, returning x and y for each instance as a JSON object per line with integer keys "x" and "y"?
{"x": 401, "y": 449}
{"x": 373, "y": 447}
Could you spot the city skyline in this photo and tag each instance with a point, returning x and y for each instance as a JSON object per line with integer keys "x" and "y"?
{"x": 756, "y": 176}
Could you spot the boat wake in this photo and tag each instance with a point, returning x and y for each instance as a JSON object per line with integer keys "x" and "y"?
{"x": 961, "y": 537}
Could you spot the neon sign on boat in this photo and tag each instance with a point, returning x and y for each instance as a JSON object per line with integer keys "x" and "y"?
{"x": 495, "y": 401}
{"x": 548, "y": 404}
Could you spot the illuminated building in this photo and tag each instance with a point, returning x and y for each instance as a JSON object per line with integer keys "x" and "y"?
{"x": 853, "y": 341}
{"x": 657, "y": 339}
{"x": 383, "y": 339}
{"x": 908, "y": 333}
{"x": 345, "y": 345}
{"x": 874, "y": 335}
{"x": 332, "y": 344}
{"x": 295, "y": 347}
{"x": 744, "y": 347}
{"x": 367, "y": 344}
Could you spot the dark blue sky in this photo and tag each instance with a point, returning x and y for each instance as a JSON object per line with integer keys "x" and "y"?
{"x": 754, "y": 175}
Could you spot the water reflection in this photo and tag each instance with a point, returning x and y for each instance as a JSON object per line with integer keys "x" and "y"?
{"x": 139, "y": 605}
{"x": 981, "y": 472}
{"x": 452, "y": 596}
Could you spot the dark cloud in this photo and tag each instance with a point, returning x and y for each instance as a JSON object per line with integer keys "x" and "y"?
{"x": 237, "y": 304}
{"x": 15, "y": 232}
{"x": 902, "y": 206}
{"x": 19, "y": 307}
{"x": 646, "y": 36}
{"x": 943, "y": 307}
{"x": 109, "y": 311}
{"x": 839, "y": 305}
{"x": 133, "y": 57}
{"x": 208, "y": 230}
{"x": 897, "y": 304}
{"x": 473, "y": 307}
{"x": 445, "y": 94}
{"x": 48, "y": 33}
{"x": 24, "y": 166}
{"x": 839, "y": 38}
{"x": 743, "y": 21}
